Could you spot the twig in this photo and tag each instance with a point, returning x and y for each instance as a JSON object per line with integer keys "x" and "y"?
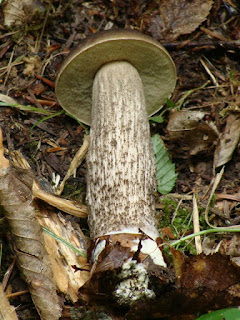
{"x": 215, "y": 184}
{"x": 77, "y": 160}
{"x": 70, "y": 207}
{"x": 8, "y": 273}
{"x": 196, "y": 226}
{"x": 48, "y": 82}
{"x": 9, "y": 67}
{"x": 16, "y": 294}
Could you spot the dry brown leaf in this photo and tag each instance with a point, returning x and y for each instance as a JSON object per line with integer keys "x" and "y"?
{"x": 7, "y": 99}
{"x": 184, "y": 121}
{"x": 179, "y": 17}
{"x": 228, "y": 141}
{"x": 7, "y": 312}
{"x": 15, "y": 11}
{"x": 189, "y": 127}
{"x": 202, "y": 283}
{"x": 16, "y": 199}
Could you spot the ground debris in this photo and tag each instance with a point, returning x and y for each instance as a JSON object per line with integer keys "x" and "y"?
{"x": 16, "y": 199}
{"x": 228, "y": 141}
{"x": 7, "y": 312}
{"x": 179, "y": 17}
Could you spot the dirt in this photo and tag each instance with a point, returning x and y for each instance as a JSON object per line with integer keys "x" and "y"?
{"x": 31, "y": 55}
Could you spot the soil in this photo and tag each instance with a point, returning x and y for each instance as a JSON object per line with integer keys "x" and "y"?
{"x": 31, "y": 55}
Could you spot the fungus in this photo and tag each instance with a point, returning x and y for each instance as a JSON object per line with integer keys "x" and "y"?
{"x": 113, "y": 81}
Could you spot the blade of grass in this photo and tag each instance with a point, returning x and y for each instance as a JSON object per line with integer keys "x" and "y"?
{"x": 59, "y": 239}
{"x": 27, "y": 108}
{"x": 47, "y": 118}
{"x": 204, "y": 232}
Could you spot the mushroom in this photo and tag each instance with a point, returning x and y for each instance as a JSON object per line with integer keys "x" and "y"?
{"x": 113, "y": 81}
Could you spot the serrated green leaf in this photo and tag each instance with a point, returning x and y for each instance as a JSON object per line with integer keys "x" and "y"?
{"x": 165, "y": 170}
{"x": 227, "y": 314}
{"x": 166, "y": 176}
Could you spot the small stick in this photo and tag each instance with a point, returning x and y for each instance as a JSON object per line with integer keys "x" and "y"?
{"x": 196, "y": 226}
{"x": 77, "y": 160}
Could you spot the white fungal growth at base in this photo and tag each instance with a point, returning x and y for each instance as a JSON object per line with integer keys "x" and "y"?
{"x": 134, "y": 283}
{"x": 98, "y": 249}
{"x": 150, "y": 232}
{"x": 150, "y": 247}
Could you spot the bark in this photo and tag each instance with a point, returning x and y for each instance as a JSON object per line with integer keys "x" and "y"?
{"x": 121, "y": 168}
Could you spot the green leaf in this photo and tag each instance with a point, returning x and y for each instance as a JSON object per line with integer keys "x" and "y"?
{"x": 157, "y": 119}
{"x": 170, "y": 104}
{"x": 166, "y": 176}
{"x": 226, "y": 314}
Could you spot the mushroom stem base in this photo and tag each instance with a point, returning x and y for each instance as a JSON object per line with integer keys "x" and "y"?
{"x": 128, "y": 261}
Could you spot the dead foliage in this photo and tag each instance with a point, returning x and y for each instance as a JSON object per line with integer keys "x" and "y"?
{"x": 179, "y": 17}
{"x": 201, "y": 134}
{"x": 16, "y": 199}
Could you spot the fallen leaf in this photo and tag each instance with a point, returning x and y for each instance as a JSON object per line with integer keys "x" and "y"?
{"x": 7, "y": 312}
{"x": 33, "y": 261}
{"x": 189, "y": 127}
{"x": 228, "y": 141}
{"x": 16, "y": 12}
{"x": 179, "y": 17}
{"x": 7, "y": 99}
{"x": 184, "y": 120}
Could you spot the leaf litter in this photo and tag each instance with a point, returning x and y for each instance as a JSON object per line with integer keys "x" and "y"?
{"x": 178, "y": 17}
{"x": 16, "y": 199}
{"x": 213, "y": 35}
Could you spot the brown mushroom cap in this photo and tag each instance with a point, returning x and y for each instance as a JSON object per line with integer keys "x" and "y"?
{"x": 154, "y": 64}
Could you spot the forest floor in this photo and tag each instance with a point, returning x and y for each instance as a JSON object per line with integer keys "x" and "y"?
{"x": 200, "y": 126}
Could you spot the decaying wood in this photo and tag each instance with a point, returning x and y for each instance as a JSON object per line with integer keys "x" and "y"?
{"x": 70, "y": 270}
{"x": 16, "y": 199}
{"x": 7, "y": 312}
{"x": 68, "y": 206}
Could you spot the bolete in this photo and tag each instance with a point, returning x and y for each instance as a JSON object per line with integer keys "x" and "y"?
{"x": 113, "y": 81}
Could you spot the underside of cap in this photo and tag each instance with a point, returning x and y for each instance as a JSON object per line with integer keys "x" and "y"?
{"x": 154, "y": 65}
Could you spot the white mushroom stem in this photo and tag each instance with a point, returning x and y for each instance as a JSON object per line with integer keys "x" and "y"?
{"x": 121, "y": 167}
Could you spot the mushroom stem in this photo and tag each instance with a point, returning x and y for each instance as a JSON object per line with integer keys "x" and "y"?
{"x": 121, "y": 167}
{"x": 121, "y": 184}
